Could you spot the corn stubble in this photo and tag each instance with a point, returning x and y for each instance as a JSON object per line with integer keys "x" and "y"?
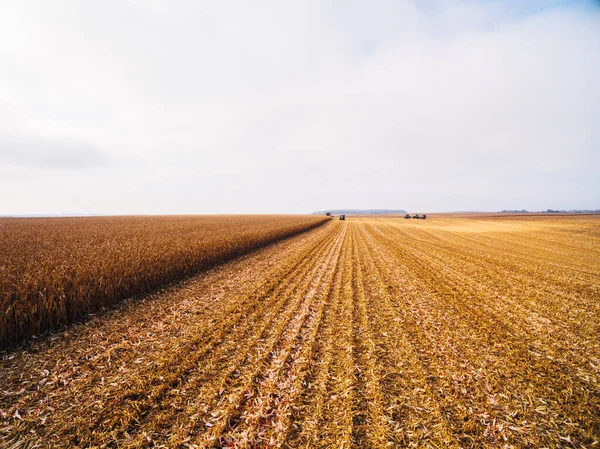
{"x": 373, "y": 332}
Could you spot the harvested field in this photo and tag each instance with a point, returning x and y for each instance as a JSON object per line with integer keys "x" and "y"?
{"x": 365, "y": 333}
{"x": 54, "y": 271}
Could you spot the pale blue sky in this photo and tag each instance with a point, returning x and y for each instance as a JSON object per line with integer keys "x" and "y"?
{"x": 151, "y": 106}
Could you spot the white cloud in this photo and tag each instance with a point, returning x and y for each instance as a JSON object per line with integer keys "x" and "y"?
{"x": 181, "y": 107}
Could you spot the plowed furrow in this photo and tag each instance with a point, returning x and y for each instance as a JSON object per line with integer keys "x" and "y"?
{"x": 411, "y": 408}
{"x": 227, "y": 412}
{"x": 528, "y": 270}
{"x": 261, "y": 423}
{"x": 513, "y": 321}
{"x": 369, "y": 422}
{"x": 519, "y": 320}
{"x": 448, "y": 375}
{"x": 511, "y": 396}
{"x": 311, "y": 391}
{"x": 332, "y": 419}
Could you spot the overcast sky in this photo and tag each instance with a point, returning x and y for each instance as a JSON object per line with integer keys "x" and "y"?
{"x": 159, "y": 107}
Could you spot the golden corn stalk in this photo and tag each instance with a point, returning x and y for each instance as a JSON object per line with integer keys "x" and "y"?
{"x": 56, "y": 271}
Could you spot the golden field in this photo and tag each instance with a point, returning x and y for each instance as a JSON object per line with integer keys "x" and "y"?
{"x": 473, "y": 331}
{"x": 54, "y": 271}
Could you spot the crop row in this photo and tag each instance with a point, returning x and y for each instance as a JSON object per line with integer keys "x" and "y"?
{"x": 56, "y": 271}
{"x": 368, "y": 333}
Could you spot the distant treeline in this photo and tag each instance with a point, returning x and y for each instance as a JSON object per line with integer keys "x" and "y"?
{"x": 553, "y": 211}
{"x": 361, "y": 211}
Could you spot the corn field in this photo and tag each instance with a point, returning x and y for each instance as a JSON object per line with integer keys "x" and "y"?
{"x": 450, "y": 332}
{"x": 56, "y": 271}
